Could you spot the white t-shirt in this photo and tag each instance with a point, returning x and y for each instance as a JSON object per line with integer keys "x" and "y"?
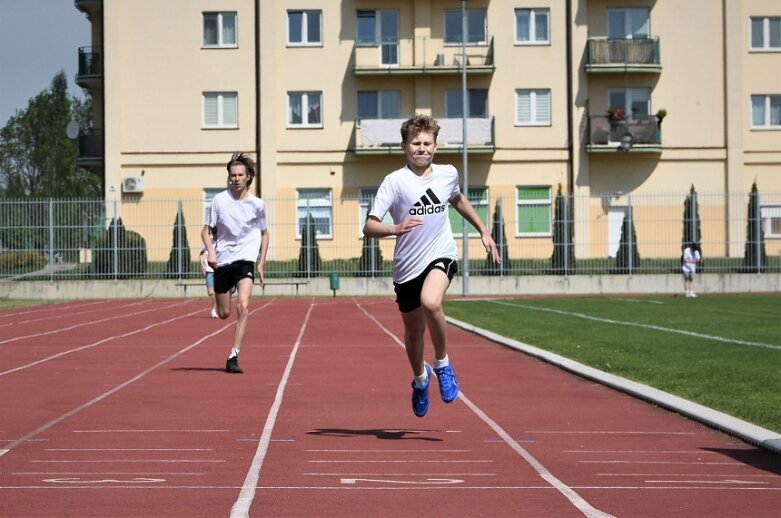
{"x": 239, "y": 224}
{"x": 690, "y": 260}
{"x": 406, "y": 195}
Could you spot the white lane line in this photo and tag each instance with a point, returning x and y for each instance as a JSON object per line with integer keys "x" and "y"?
{"x": 575, "y": 499}
{"x": 390, "y": 451}
{"x": 128, "y": 449}
{"x": 384, "y": 474}
{"x": 607, "y": 432}
{"x": 169, "y": 430}
{"x": 50, "y": 309}
{"x": 83, "y": 324}
{"x": 644, "y": 326}
{"x": 247, "y": 494}
{"x": 410, "y": 461}
{"x": 117, "y": 388}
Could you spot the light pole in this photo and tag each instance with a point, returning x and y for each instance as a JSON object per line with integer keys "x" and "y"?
{"x": 465, "y": 166}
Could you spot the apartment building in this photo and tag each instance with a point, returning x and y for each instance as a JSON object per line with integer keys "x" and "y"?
{"x": 604, "y": 98}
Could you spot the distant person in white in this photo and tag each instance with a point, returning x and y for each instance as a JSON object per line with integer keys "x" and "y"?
{"x": 689, "y": 260}
{"x": 424, "y": 260}
{"x": 238, "y": 224}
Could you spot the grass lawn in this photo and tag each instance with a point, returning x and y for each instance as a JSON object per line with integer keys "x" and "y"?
{"x": 721, "y": 351}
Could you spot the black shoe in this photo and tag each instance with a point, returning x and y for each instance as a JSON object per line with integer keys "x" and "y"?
{"x": 232, "y": 366}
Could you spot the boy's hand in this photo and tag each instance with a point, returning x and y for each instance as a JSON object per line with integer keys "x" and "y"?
{"x": 406, "y": 226}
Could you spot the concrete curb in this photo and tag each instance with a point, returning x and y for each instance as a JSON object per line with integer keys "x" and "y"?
{"x": 746, "y": 431}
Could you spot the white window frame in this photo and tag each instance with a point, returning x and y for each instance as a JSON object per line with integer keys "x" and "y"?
{"x": 538, "y": 202}
{"x": 382, "y": 96}
{"x": 768, "y": 215}
{"x": 323, "y": 204}
{"x": 307, "y": 99}
{"x": 455, "y": 39}
{"x": 765, "y": 33}
{"x": 767, "y": 103}
{"x": 223, "y": 104}
{"x": 455, "y": 112}
{"x": 533, "y": 15}
{"x": 626, "y": 13}
{"x": 365, "y": 197}
{"x": 536, "y": 97}
{"x": 221, "y": 19}
{"x": 306, "y": 14}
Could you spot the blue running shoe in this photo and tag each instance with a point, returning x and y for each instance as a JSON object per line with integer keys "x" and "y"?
{"x": 420, "y": 396}
{"x": 448, "y": 383}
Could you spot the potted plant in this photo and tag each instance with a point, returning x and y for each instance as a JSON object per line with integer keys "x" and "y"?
{"x": 616, "y": 114}
{"x": 660, "y": 115}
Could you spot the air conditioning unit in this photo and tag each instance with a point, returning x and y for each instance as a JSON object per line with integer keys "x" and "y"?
{"x": 133, "y": 184}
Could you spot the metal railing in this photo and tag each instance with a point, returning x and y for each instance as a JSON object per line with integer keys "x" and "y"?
{"x": 614, "y": 233}
{"x": 603, "y": 52}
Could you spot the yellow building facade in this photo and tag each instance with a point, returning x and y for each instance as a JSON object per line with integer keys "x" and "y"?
{"x": 316, "y": 91}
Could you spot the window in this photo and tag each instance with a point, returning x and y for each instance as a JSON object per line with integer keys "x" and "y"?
{"x": 220, "y": 110}
{"x": 476, "y": 104}
{"x": 766, "y": 111}
{"x": 219, "y": 30}
{"x": 628, "y": 23}
{"x": 304, "y": 27}
{"x": 634, "y": 101}
{"x": 534, "y": 211}
{"x": 382, "y": 104}
{"x": 532, "y": 26}
{"x": 478, "y": 197}
{"x": 380, "y": 28}
{"x": 766, "y": 33}
{"x": 208, "y": 196}
{"x": 365, "y": 200}
{"x": 304, "y": 109}
{"x": 532, "y": 108}
{"x": 316, "y": 202}
{"x": 475, "y": 26}
{"x": 770, "y": 215}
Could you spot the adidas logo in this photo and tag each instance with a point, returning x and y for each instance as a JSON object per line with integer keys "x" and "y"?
{"x": 428, "y": 204}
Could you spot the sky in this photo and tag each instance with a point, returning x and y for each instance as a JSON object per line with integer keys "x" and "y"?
{"x": 38, "y": 38}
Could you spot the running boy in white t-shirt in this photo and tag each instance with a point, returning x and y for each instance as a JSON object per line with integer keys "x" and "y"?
{"x": 238, "y": 222}
{"x": 424, "y": 260}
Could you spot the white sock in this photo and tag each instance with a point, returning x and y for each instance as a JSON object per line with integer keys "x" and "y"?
{"x": 421, "y": 381}
{"x": 444, "y": 362}
{"x": 234, "y": 353}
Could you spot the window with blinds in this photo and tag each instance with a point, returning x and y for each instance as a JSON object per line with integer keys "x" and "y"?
{"x": 221, "y": 110}
{"x": 532, "y": 107}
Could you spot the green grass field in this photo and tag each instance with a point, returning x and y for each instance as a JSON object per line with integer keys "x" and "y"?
{"x": 721, "y": 351}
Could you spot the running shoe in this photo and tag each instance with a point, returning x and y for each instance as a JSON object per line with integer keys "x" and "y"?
{"x": 420, "y": 396}
{"x": 214, "y": 314}
{"x": 448, "y": 383}
{"x": 232, "y": 366}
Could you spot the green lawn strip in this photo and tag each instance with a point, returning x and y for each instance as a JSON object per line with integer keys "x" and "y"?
{"x": 740, "y": 380}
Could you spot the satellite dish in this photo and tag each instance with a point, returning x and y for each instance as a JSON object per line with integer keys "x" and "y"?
{"x": 72, "y": 130}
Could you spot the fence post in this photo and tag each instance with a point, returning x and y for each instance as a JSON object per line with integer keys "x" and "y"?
{"x": 179, "y": 251}
{"x": 116, "y": 242}
{"x": 631, "y": 254}
{"x": 566, "y": 244}
{"x": 51, "y": 241}
{"x": 757, "y": 234}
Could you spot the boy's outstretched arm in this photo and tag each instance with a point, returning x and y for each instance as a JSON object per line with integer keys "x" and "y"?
{"x": 376, "y": 228}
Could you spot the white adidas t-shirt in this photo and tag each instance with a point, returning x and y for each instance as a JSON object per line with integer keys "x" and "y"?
{"x": 406, "y": 195}
{"x": 239, "y": 224}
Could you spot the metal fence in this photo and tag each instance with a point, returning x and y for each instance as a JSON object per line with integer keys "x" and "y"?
{"x": 621, "y": 234}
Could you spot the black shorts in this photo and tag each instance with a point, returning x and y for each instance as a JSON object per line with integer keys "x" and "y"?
{"x": 408, "y": 293}
{"x": 229, "y": 275}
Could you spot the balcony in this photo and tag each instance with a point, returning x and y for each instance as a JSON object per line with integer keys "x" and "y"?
{"x": 382, "y": 136}
{"x": 605, "y": 134}
{"x": 623, "y": 55}
{"x": 90, "y": 71}
{"x": 91, "y": 152}
{"x": 414, "y": 56}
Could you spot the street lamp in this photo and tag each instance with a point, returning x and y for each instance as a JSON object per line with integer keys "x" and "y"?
{"x": 465, "y": 166}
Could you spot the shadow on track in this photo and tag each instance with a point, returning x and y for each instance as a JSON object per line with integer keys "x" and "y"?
{"x": 391, "y": 435}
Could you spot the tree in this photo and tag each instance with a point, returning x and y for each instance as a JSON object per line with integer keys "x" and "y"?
{"x": 563, "y": 258}
{"x": 754, "y": 256}
{"x": 179, "y": 258}
{"x": 119, "y": 253}
{"x": 500, "y": 238}
{"x": 691, "y": 219}
{"x": 37, "y": 159}
{"x": 628, "y": 258}
{"x": 309, "y": 262}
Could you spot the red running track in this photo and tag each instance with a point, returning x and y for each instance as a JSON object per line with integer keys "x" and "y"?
{"x": 122, "y": 408}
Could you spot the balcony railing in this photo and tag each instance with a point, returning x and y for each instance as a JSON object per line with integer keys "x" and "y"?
{"x": 623, "y": 55}
{"x": 605, "y": 134}
{"x": 90, "y": 66}
{"x": 421, "y": 56}
{"x": 90, "y": 148}
{"x": 381, "y": 136}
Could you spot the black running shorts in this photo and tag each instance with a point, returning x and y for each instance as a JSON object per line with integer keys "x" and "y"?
{"x": 229, "y": 275}
{"x": 408, "y": 293}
